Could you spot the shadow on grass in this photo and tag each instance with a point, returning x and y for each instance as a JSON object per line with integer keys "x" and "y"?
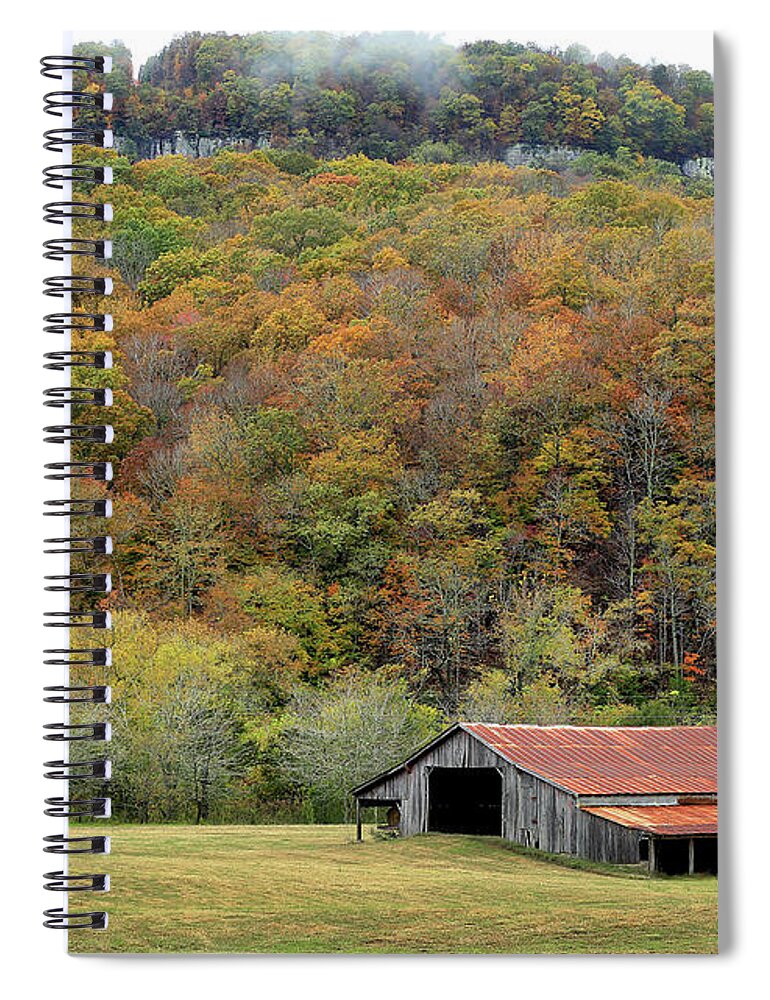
{"x": 639, "y": 872}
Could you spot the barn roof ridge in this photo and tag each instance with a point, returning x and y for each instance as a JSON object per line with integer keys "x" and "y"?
{"x": 609, "y": 760}
{"x": 564, "y": 725}
{"x": 631, "y": 760}
{"x": 468, "y": 727}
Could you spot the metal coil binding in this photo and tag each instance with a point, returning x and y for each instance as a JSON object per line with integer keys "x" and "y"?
{"x": 59, "y": 174}
{"x": 56, "y": 139}
{"x": 57, "y": 100}
{"x": 78, "y": 508}
{"x": 83, "y": 322}
{"x": 79, "y": 619}
{"x": 98, "y": 545}
{"x": 81, "y": 433}
{"x": 88, "y": 882}
{"x": 57, "y": 919}
{"x": 81, "y": 770}
{"x": 76, "y": 808}
{"x": 80, "y": 582}
{"x": 58, "y": 845}
{"x": 60, "y": 361}
{"x": 67, "y": 105}
{"x": 63, "y": 248}
{"x": 68, "y": 395}
{"x": 54, "y": 66}
{"x": 85, "y": 694}
{"x": 58, "y": 211}
{"x": 75, "y": 284}
{"x": 100, "y": 472}
{"x": 64, "y": 732}
{"x": 99, "y": 657}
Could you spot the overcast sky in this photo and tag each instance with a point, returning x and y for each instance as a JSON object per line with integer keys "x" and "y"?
{"x": 693, "y": 48}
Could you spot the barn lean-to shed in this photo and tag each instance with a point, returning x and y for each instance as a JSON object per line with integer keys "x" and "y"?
{"x": 614, "y": 794}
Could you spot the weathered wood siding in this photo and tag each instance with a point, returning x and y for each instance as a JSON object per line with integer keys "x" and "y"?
{"x": 601, "y": 840}
{"x": 543, "y": 816}
{"x": 534, "y": 812}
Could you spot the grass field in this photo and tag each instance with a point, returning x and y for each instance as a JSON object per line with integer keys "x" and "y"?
{"x": 313, "y": 889}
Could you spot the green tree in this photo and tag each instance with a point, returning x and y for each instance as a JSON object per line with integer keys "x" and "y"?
{"x": 137, "y": 243}
{"x": 654, "y": 123}
{"x": 461, "y": 115}
{"x": 335, "y": 737}
{"x": 680, "y": 569}
{"x": 293, "y": 230}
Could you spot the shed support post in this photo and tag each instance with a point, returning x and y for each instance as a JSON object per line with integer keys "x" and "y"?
{"x": 691, "y": 859}
{"x": 651, "y": 855}
{"x": 358, "y": 820}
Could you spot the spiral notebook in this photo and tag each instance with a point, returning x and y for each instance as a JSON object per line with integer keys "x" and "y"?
{"x": 382, "y": 366}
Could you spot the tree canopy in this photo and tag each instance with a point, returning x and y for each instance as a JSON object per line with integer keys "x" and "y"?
{"x": 399, "y": 442}
{"x": 396, "y": 94}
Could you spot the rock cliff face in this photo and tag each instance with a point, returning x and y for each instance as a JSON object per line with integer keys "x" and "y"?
{"x": 182, "y": 144}
{"x": 700, "y": 169}
{"x": 547, "y": 157}
{"x": 520, "y": 155}
{"x": 559, "y": 157}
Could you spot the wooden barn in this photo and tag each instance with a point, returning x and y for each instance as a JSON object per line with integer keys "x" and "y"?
{"x": 620, "y": 795}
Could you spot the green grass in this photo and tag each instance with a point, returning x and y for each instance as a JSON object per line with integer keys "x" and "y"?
{"x": 313, "y": 889}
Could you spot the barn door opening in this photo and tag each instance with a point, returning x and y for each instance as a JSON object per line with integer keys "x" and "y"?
{"x": 465, "y": 800}
{"x": 706, "y": 855}
{"x": 672, "y": 856}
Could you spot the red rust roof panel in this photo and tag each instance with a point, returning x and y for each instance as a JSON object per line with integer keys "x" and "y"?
{"x": 671, "y": 820}
{"x": 599, "y": 760}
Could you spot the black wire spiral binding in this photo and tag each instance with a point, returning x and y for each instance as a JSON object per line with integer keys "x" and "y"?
{"x": 98, "y": 694}
{"x": 95, "y": 920}
{"x": 63, "y": 248}
{"x": 80, "y": 433}
{"x": 56, "y": 139}
{"x": 58, "y": 211}
{"x": 99, "y": 657}
{"x": 67, "y": 104}
{"x": 78, "y": 583}
{"x": 77, "y": 173}
{"x": 84, "y": 322}
{"x": 64, "y": 732}
{"x": 98, "y": 545}
{"x": 59, "y": 99}
{"x": 60, "y": 882}
{"x": 78, "y": 508}
{"x": 79, "y": 770}
{"x": 100, "y": 472}
{"x": 53, "y": 66}
{"x": 70, "y": 396}
{"x": 57, "y": 360}
{"x": 58, "y": 842}
{"x": 76, "y": 808}
{"x": 79, "y": 619}
{"x": 62, "y": 284}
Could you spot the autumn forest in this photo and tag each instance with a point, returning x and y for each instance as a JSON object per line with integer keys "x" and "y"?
{"x": 402, "y": 434}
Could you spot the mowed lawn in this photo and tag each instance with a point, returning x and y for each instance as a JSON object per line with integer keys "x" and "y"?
{"x": 313, "y": 889}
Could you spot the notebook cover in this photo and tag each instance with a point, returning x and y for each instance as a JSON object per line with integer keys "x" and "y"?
{"x": 414, "y": 511}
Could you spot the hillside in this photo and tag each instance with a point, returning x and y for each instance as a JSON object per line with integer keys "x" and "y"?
{"x": 400, "y": 94}
{"x": 398, "y": 443}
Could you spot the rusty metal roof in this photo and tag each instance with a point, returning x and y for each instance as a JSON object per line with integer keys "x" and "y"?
{"x": 671, "y": 820}
{"x": 605, "y": 760}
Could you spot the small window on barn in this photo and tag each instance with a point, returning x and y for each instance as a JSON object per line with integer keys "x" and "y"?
{"x": 644, "y": 849}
